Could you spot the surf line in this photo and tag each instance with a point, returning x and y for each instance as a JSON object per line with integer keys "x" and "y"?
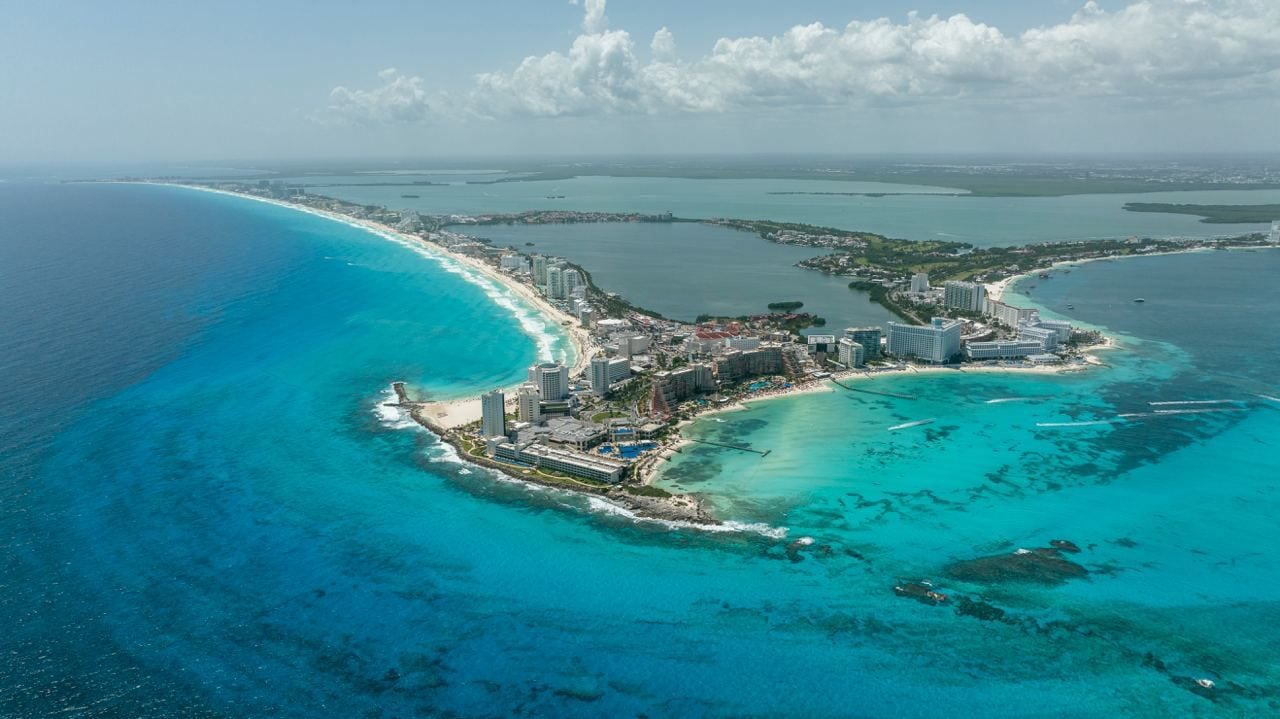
{"x": 1193, "y": 401}
{"x": 1089, "y": 423}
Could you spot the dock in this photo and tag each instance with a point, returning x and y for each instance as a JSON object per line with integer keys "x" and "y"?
{"x": 872, "y": 391}
{"x": 763, "y": 454}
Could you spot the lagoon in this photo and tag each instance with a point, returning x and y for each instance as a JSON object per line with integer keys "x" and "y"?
{"x": 919, "y": 213}
{"x": 682, "y": 270}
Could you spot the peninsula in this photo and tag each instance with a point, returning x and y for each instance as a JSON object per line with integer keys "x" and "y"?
{"x": 603, "y": 422}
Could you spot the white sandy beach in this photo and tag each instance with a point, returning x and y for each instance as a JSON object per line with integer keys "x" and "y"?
{"x": 652, "y": 466}
{"x": 996, "y": 290}
{"x": 454, "y": 413}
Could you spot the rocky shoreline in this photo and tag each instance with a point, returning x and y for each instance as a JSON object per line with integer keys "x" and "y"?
{"x": 680, "y": 508}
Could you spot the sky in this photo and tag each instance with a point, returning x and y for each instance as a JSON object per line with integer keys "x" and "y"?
{"x": 327, "y": 79}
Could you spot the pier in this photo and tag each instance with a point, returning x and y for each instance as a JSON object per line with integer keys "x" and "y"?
{"x": 731, "y": 446}
{"x": 872, "y": 391}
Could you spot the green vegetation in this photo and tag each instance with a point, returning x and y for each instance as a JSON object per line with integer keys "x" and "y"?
{"x": 613, "y": 305}
{"x": 644, "y": 490}
{"x": 976, "y": 181}
{"x": 785, "y": 306}
{"x": 600, "y": 417}
{"x": 793, "y": 325}
{"x": 881, "y": 296}
{"x": 1213, "y": 214}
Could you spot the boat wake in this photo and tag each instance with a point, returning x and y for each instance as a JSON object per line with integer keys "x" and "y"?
{"x": 1192, "y": 402}
{"x": 909, "y": 425}
{"x": 1002, "y": 400}
{"x": 1090, "y": 423}
{"x": 1204, "y": 410}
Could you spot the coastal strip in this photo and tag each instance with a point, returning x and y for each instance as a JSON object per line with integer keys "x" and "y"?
{"x": 451, "y": 413}
{"x": 996, "y": 290}
{"x": 445, "y": 418}
{"x": 765, "y": 360}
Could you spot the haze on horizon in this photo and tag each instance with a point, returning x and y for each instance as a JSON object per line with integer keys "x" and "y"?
{"x": 135, "y": 81}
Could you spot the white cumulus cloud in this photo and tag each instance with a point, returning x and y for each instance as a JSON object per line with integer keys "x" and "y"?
{"x": 1146, "y": 50}
{"x": 399, "y": 98}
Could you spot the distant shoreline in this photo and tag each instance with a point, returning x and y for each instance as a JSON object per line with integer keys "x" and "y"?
{"x": 997, "y": 290}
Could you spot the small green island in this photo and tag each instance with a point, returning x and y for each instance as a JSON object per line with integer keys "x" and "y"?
{"x": 1213, "y": 214}
{"x": 785, "y": 306}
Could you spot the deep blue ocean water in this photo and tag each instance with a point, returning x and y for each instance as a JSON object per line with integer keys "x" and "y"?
{"x": 205, "y": 512}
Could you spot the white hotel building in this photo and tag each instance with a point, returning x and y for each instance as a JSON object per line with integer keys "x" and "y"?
{"x": 936, "y": 342}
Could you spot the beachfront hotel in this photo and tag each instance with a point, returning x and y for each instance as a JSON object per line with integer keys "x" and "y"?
{"x": 605, "y": 372}
{"x": 1047, "y": 338}
{"x": 551, "y": 379}
{"x": 1007, "y": 314}
{"x": 969, "y": 296}
{"x": 869, "y": 338}
{"x": 577, "y": 464}
{"x": 493, "y": 414}
{"x": 850, "y": 353}
{"x": 528, "y": 404}
{"x": 936, "y": 342}
{"x": 1002, "y": 349}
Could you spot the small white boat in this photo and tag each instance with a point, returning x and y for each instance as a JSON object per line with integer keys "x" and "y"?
{"x": 1206, "y": 683}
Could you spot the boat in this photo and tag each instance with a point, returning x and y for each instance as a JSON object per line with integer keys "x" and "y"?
{"x": 921, "y": 591}
{"x": 1044, "y": 275}
{"x": 1139, "y": 299}
{"x": 1206, "y": 683}
{"x": 411, "y": 196}
{"x": 1071, "y": 307}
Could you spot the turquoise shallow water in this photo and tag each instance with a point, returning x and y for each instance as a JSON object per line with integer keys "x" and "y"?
{"x": 1174, "y": 512}
{"x": 205, "y": 514}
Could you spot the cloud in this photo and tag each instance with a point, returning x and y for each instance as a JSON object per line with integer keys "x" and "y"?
{"x": 1165, "y": 50}
{"x": 663, "y": 44}
{"x": 593, "y": 20}
{"x": 399, "y": 98}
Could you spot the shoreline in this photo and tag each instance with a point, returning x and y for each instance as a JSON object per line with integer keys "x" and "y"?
{"x": 674, "y": 510}
{"x": 458, "y": 411}
{"x": 444, "y": 418}
{"x": 996, "y": 290}
{"x": 651, "y": 470}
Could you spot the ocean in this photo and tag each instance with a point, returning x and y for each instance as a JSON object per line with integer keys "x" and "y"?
{"x": 207, "y": 511}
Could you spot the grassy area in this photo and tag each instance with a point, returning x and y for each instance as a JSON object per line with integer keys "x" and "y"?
{"x": 881, "y": 296}
{"x": 600, "y": 417}
{"x": 646, "y": 491}
{"x": 1213, "y": 214}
